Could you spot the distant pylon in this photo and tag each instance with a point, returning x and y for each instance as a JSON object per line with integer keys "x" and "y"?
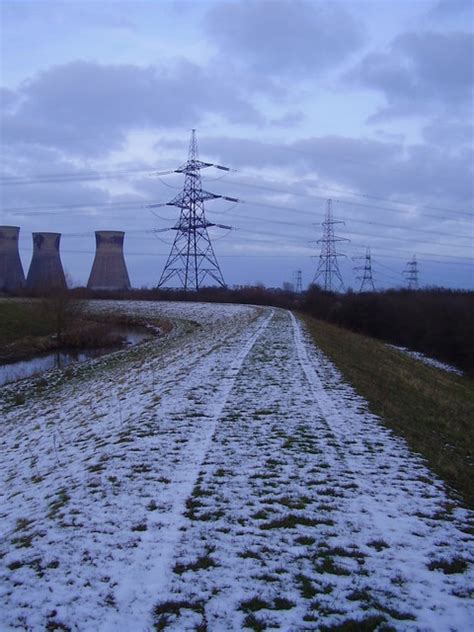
{"x": 328, "y": 267}
{"x": 299, "y": 282}
{"x": 192, "y": 259}
{"x": 411, "y": 273}
{"x": 366, "y": 278}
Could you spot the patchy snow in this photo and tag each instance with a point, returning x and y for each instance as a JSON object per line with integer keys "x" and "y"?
{"x": 426, "y": 360}
{"x": 225, "y": 476}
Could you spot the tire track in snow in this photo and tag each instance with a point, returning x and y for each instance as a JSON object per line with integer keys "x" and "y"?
{"x": 389, "y": 503}
{"x": 273, "y": 457}
{"x": 124, "y": 433}
{"x": 139, "y": 590}
{"x": 276, "y": 536}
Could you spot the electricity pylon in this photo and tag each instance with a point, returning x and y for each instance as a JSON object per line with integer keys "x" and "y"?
{"x": 299, "y": 282}
{"x": 411, "y": 273}
{"x": 192, "y": 259}
{"x": 328, "y": 267}
{"x": 366, "y": 278}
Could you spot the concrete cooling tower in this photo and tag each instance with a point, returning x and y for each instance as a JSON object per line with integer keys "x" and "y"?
{"x": 46, "y": 270}
{"x": 12, "y": 276}
{"x": 109, "y": 271}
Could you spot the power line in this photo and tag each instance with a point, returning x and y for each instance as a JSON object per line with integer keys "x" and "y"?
{"x": 358, "y": 221}
{"x": 352, "y": 232}
{"x": 111, "y": 174}
{"x": 348, "y": 202}
{"x": 388, "y": 238}
{"x": 391, "y": 277}
{"x": 252, "y": 256}
{"x": 297, "y": 240}
{"x": 400, "y": 252}
{"x": 126, "y": 205}
{"x": 371, "y": 197}
{"x": 259, "y": 186}
{"x": 285, "y": 238}
{"x": 77, "y": 176}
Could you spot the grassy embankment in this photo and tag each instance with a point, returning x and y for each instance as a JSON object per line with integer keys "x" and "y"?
{"x": 432, "y": 409}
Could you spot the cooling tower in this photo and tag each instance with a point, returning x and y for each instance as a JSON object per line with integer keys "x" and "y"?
{"x": 109, "y": 271}
{"x": 46, "y": 270}
{"x": 11, "y": 270}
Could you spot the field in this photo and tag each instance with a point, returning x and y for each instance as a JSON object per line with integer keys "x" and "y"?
{"x": 226, "y": 477}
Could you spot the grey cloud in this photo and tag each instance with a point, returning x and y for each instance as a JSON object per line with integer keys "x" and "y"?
{"x": 87, "y": 108}
{"x": 419, "y": 174}
{"x": 447, "y": 8}
{"x": 449, "y": 133}
{"x": 35, "y": 160}
{"x": 67, "y": 16}
{"x": 327, "y": 167}
{"x": 8, "y": 99}
{"x": 305, "y": 155}
{"x": 283, "y": 37}
{"x": 420, "y": 73}
{"x": 289, "y": 119}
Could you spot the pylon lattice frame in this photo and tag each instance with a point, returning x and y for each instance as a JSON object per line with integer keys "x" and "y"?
{"x": 299, "y": 282}
{"x": 411, "y": 273}
{"x": 328, "y": 267}
{"x": 366, "y": 279}
{"x": 192, "y": 259}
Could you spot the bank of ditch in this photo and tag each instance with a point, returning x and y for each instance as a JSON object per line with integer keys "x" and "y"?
{"x": 33, "y": 327}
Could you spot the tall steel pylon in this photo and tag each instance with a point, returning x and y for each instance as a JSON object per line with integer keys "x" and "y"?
{"x": 192, "y": 259}
{"x": 299, "y": 282}
{"x": 366, "y": 278}
{"x": 411, "y": 273}
{"x": 328, "y": 267}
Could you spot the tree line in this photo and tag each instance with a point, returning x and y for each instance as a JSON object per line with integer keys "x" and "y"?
{"x": 435, "y": 321}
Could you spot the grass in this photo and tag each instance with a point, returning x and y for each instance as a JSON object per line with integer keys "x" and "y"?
{"x": 254, "y": 605}
{"x": 378, "y": 545}
{"x": 166, "y": 611}
{"x": 449, "y": 567}
{"x": 19, "y": 319}
{"x": 306, "y": 587}
{"x": 61, "y": 500}
{"x": 202, "y": 563}
{"x": 368, "y": 624}
{"x": 432, "y": 409}
{"x": 327, "y": 565}
{"x": 254, "y": 623}
{"x": 291, "y": 521}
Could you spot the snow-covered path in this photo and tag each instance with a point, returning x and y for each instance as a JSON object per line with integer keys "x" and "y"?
{"x": 229, "y": 479}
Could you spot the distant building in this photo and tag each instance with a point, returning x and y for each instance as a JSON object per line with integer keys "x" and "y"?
{"x": 109, "y": 271}
{"x": 12, "y": 276}
{"x": 46, "y": 270}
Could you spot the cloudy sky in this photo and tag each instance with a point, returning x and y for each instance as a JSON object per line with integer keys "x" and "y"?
{"x": 368, "y": 103}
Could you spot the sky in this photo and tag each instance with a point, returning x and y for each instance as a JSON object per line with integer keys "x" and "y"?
{"x": 367, "y": 103}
